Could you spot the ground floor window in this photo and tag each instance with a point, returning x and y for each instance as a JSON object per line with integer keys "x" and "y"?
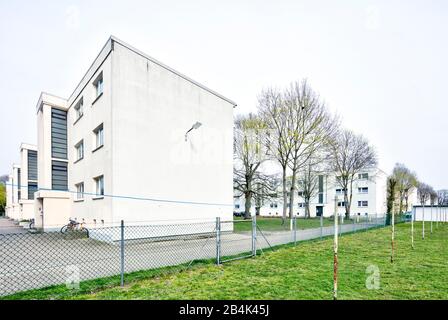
{"x": 80, "y": 191}
{"x": 363, "y": 204}
{"x": 99, "y": 186}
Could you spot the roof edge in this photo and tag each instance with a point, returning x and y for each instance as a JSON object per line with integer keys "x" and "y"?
{"x": 139, "y": 52}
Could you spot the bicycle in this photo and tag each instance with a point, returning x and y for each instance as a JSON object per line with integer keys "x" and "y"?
{"x": 74, "y": 226}
{"x": 31, "y": 226}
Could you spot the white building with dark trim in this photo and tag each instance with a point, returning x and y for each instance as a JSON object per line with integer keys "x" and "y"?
{"x": 28, "y": 184}
{"x": 369, "y": 197}
{"x": 135, "y": 141}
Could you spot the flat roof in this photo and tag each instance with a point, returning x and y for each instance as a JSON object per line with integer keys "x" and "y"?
{"x": 28, "y": 146}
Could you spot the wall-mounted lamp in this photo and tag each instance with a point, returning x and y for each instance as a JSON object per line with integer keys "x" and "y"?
{"x": 195, "y": 126}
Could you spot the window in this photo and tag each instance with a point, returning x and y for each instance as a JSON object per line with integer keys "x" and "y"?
{"x": 341, "y": 204}
{"x": 59, "y": 175}
{"x": 79, "y": 150}
{"x": 301, "y": 204}
{"x": 19, "y": 184}
{"x": 363, "y": 176}
{"x": 79, "y": 109}
{"x": 80, "y": 191}
{"x": 99, "y": 186}
{"x": 340, "y": 191}
{"x": 32, "y": 165}
{"x": 300, "y": 193}
{"x": 98, "y": 84}
{"x": 237, "y": 206}
{"x": 58, "y": 133}
{"x": 321, "y": 197}
{"x": 32, "y": 187}
{"x": 363, "y": 204}
{"x": 363, "y": 190}
{"x": 99, "y": 136}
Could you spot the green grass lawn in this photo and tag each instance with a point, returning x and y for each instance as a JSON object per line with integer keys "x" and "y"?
{"x": 275, "y": 224}
{"x": 304, "y": 271}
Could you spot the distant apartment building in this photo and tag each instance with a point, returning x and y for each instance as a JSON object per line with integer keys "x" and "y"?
{"x": 135, "y": 141}
{"x": 14, "y": 193}
{"x": 9, "y": 196}
{"x": 369, "y": 197}
{"x": 22, "y": 185}
{"x": 28, "y": 180}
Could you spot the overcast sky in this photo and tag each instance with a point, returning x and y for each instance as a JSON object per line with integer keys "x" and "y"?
{"x": 381, "y": 65}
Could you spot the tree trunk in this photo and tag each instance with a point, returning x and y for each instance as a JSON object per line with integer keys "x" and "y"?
{"x": 401, "y": 204}
{"x": 347, "y": 204}
{"x": 307, "y": 209}
{"x": 247, "y": 204}
{"x": 285, "y": 196}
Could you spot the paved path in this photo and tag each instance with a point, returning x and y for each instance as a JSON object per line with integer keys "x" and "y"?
{"x": 7, "y": 227}
{"x": 29, "y": 261}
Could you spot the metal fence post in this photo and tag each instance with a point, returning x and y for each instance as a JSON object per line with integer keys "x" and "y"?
{"x": 423, "y": 226}
{"x": 412, "y": 227}
{"x": 321, "y": 226}
{"x": 254, "y": 235}
{"x": 218, "y": 240}
{"x": 341, "y": 222}
{"x": 122, "y": 254}
{"x": 295, "y": 230}
{"x": 335, "y": 253}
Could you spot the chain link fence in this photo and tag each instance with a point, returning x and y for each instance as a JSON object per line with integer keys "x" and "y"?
{"x": 37, "y": 260}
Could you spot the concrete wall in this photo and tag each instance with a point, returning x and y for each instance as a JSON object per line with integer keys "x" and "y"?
{"x": 152, "y": 110}
{"x": 429, "y": 213}
{"x": 95, "y": 162}
{"x": 51, "y": 209}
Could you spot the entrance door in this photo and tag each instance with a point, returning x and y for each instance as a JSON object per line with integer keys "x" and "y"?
{"x": 319, "y": 211}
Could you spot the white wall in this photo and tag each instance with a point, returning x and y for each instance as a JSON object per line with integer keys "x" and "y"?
{"x": 429, "y": 213}
{"x": 94, "y": 163}
{"x": 8, "y": 211}
{"x": 146, "y": 110}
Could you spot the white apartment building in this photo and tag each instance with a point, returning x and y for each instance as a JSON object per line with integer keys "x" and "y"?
{"x": 22, "y": 184}
{"x": 28, "y": 180}
{"x": 9, "y": 197}
{"x": 369, "y": 197}
{"x": 14, "y": 194}
{"x": 135, "y": 141}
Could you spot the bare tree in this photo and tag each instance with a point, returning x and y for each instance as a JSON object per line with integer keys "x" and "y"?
{"x": 352, "y": 154}
{"x": 423, "y": 193}
{"x": 311, "y": 128}
{"x": 391, "y": 193}
{"x": 390, "y": 197}
{"x": 406, "y": 182}
{"x": 272, "y": 109}
{"x": 250, "y": 154}
{"x": 442, "y": 201}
